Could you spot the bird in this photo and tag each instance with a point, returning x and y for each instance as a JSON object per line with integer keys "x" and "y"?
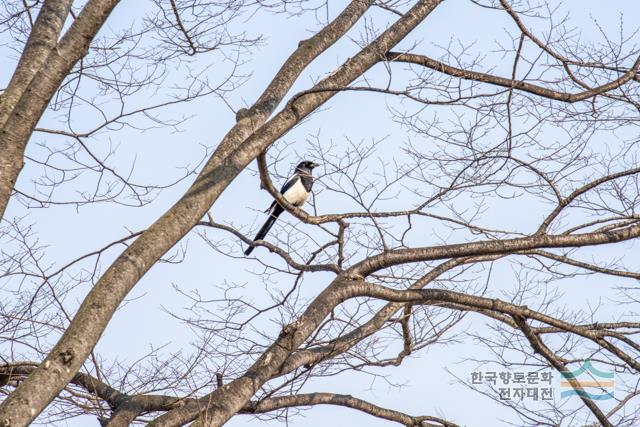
{"x": 295, "y": 191}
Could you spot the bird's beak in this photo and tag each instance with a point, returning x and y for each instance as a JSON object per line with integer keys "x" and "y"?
{"x": 314, "y": 165}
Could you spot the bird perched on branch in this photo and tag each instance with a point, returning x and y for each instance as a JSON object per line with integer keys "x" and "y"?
{"x": 295, "y": 191}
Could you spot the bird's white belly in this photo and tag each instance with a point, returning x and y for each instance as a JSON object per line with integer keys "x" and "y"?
{"x": 297, "y": 194}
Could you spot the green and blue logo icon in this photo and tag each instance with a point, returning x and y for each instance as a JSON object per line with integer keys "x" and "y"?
{"x": 589, "y": 382}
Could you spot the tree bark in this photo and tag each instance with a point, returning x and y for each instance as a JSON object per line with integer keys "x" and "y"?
{"x": 34, "y": 84}
{"x": 66, "y": 358}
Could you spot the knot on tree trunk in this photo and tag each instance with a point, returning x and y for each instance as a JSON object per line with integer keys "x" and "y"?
{"x": 66, "y": 356}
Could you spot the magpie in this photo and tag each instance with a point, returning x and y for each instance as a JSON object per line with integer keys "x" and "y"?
{"x": 295, "y": 191}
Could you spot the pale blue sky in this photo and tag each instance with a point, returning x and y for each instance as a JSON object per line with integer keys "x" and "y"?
{"x": 143, "y": 323}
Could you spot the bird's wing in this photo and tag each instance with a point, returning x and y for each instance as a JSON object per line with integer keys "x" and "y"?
{"x": 296, "y": 194}
{"x": 290, "y": 183}
{"x": 287, "y": 185}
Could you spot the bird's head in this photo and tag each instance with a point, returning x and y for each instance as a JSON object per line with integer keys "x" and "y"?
{"x": 306, "y": 167}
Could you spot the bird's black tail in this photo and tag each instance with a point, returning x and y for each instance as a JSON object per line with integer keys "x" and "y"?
{"x": 277, "y": 210}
